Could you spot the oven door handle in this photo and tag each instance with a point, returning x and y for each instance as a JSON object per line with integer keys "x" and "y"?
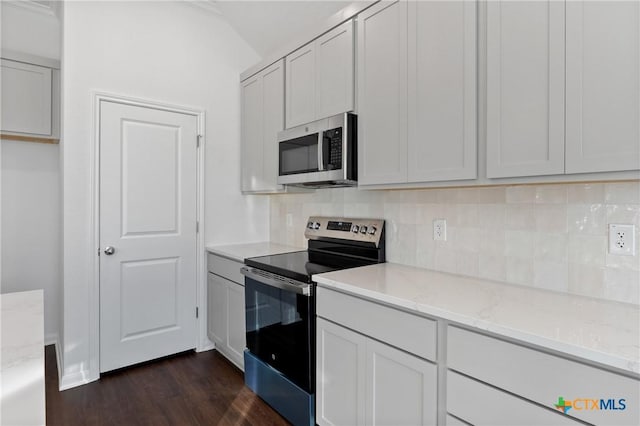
{"x": 267, "y": 278}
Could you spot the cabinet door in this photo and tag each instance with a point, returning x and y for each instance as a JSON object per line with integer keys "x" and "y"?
{"x": 382, "y": 94}
{"x": 236, "y": 331}
{"x": 26, "y": 98}
{"x": 401, "y": 389}
{"x": 340, "y": 369}
{"x": 251, "y": 123}
{"x": 334, "y": 74}
{"x": 272, "y": 122}
{"x": 603, "y": 86}
{"x": 525, "y": 88}
{"x": 301, "y": 86}
{"x": 442, "y": 91}
{"x": 262, "y": 117}
{"x": 217, "y": 310}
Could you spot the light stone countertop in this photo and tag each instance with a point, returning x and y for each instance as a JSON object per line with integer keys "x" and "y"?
{"x": 22, "y": 395}
{"x": 239, "y": 252}
{"x": 600, "y": 331}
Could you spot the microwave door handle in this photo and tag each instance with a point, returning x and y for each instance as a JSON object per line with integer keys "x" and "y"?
{"x": 320, "y": 151}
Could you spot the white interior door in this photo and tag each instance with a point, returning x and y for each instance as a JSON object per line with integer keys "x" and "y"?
{"x": 148, "y": 215}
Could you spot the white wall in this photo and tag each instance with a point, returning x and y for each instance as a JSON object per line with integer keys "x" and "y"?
{"x": 30, "y": 196}
{"x": 30, "y": 224}
{"x": 164, "y": 51}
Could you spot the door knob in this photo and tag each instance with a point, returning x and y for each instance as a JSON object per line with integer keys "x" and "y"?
{"x": 108, "y": 250}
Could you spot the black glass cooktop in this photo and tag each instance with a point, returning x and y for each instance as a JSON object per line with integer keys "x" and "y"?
{"x": 301, "y": 265}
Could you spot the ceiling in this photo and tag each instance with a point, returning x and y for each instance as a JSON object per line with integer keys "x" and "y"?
{"x": 267, "y": 25}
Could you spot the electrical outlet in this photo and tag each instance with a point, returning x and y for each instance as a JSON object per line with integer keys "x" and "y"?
{"x": 622, "y": 239}
{"x": 289, "y": 220}
{"x": 440, "y": 230}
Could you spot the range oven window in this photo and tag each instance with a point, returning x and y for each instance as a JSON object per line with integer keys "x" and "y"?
{"x": 279, "y": 330}
{"x": 299, "y": 155}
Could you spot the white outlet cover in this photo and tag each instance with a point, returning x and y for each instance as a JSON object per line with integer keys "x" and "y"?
{"x": 622, "y": 239}
{"x": 440, "y": 230}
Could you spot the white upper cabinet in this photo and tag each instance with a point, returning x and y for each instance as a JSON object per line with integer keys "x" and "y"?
{"x": 382, "y": 94}
{"x": 301, "y": 85}
{"x": 442, "y": 90}
{"x": 262, "y": 117}
{"x": 319, "y": 77}
{"x": 561, "y": 104}
{"x": 525, "y": 88}
{"x": 251, "y": 123}
{"x": 603, "y": 86}
{"x": 335, "y": 66}
{"x": 417, "y": 92}
{"x": 26, "y": 98}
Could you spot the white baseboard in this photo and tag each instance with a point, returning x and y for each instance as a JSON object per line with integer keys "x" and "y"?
{"x": 72, "y": 380}
{"x": 206, "y": 347}
{"x": 59, "y": 363}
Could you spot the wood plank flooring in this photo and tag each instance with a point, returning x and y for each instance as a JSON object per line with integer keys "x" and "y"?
{"x": 186, "y": 389}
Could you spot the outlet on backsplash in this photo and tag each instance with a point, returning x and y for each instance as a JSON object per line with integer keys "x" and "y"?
{"x": 440, "y": 230}
{"x": 622, "y": 239}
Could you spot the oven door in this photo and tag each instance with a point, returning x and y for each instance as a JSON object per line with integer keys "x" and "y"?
{"x": 280, "y": 315}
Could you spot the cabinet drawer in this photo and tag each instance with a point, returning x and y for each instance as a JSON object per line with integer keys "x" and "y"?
{"x": 408, "y": 332}
{"x": 453, "y": 421}
{"x": 479, "y": 404}
{"x": 226, "y": 268}
{"x": 542, "y": 377}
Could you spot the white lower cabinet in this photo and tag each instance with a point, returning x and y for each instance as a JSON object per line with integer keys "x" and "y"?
{"x": 480, "y": 404}
{"x": 225, "y": 310}
{"x": 217, "y": 307}
{"x": 400, "y": 389}
{"x": 236, "y": 332}
{"x": 454, "y": 421}
{"x": 510, "y": 384}
{"x": 340, "y": 372}
{"x": 360, "y": 379}
{"x": 378, "y": 365}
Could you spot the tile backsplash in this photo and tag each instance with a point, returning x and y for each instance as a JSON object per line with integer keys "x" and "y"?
{"x": 547, "y": 236}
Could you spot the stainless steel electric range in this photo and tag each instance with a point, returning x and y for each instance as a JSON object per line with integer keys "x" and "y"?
{"x": 280, "y": 311}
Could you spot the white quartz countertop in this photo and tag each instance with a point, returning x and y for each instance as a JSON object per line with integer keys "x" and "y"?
{"x": 239, "y": 252}
{"x": 22, "y": 400}
{"x": 599, "y": 331}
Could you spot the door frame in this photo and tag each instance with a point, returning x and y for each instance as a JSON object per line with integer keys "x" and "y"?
{"x": 202, "y": 342}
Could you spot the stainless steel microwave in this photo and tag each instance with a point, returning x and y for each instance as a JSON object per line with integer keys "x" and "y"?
{"x": 319, "y": 154}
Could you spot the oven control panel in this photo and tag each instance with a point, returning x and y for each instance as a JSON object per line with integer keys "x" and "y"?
{"x": 365, "y": 230}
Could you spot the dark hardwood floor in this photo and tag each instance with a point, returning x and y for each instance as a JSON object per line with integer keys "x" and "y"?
{"x": 186, "y": 389}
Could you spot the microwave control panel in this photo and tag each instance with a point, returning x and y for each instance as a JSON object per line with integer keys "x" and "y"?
{"x": 333, "y": 149}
